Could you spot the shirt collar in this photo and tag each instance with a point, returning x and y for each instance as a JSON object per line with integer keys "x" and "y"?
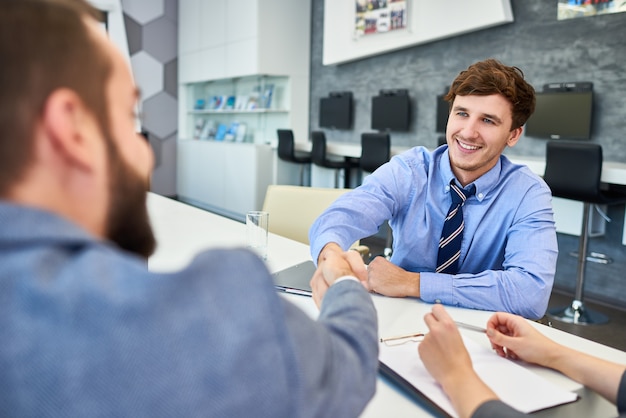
{"x": 484, "y": 184}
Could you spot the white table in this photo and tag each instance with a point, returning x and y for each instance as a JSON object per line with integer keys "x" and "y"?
{"x": 182, "y": 231}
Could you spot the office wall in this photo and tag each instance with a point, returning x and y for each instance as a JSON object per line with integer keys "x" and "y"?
{"x": 152, "y": 32}
{"x": 547, "y": 50}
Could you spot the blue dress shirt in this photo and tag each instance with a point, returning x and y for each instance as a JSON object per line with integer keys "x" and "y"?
{"x": 509, "y": 249}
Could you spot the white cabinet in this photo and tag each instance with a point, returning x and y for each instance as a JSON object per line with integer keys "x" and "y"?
{"x": 228, "y": 178}
{"x": 233, "y": 48}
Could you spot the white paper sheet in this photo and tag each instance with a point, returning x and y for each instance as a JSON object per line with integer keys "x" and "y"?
{"x": 516, "y": 386}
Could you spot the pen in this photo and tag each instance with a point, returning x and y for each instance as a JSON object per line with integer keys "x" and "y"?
{"x": 469, "y": 326}
{"x": 402, "y": 337}
{"x": 420, "y": 334}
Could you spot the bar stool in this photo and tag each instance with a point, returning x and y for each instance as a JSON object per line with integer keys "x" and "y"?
{"x": 287, "y": 151}
{"x": 376, "y": 151}
{"x": 318, "y": 155}
{"x": 573, "y": 171}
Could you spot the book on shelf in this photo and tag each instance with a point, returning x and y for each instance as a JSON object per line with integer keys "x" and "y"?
{"x": 240, "y": 135}
{"x": 198, "y": 128}
{"x": 241, "y": 102}
{"x": 230, "y": 103}
{"x": 253, "y": 101}
{"x": 208, "y": 131}
{"x": 220, "y": 102}
{"x": 231, "y": 132}
{"x": 266, "y": 98}
{"x": 220, "y": 133}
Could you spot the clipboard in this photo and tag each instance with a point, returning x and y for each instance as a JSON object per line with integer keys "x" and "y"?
{"x": 295, "y": 279}
{"x": 423, "y": 400}
{"x": 514, "y": 384}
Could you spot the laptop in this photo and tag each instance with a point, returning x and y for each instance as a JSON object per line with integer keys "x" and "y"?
{"x": 295, "y": 279}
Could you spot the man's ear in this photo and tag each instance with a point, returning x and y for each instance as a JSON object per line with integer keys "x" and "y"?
{"x": 70, "y": 127}
{"x": 514, "y": 136}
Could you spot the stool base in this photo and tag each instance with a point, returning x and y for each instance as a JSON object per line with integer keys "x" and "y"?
{"x": 577, "y": 313}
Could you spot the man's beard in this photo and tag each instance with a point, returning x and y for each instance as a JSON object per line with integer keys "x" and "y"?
{"x": 128, "y": 224}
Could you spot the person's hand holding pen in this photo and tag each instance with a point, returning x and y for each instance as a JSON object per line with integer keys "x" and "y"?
{"x": 333, "y": 265}
{"x": 445, "y": 357}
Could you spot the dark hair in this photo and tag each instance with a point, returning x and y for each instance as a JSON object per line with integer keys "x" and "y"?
{"x": 44, "y": 45}
{"x": 489, "y": 77}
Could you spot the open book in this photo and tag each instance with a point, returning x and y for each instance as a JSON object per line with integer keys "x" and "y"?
{"x": 515, "y": 385}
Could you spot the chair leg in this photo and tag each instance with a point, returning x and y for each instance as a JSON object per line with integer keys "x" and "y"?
{"x": 387, "y": 252}
{"x": 576, "y": 312}
{"x": 301, "y": 174}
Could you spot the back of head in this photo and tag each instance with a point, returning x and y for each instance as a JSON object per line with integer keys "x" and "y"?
{"x": 44, "y": 45}
{"x": 490, "y": 76}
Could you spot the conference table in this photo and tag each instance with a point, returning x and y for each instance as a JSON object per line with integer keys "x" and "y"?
{"x": 182, "y": 231}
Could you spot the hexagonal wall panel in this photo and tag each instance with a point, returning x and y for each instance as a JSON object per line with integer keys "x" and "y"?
{"x": 171, "y": 10}
{"x": 143, "y": 11}
{"x": 133, "y": 34}
{"x": 170, "y": 78}
{"x": 148, "y": 74}
{"x": 160, "y": 39}
{"x": 160, "y": 114}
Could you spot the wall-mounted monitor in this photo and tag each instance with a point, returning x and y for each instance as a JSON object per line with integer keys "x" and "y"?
{"x": 336, "y": 110}
{"x": 562, "y": 114}
{"x": 391, "y": 111}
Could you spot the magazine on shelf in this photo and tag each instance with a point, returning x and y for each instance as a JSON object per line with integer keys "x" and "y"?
{"x": 266, "y": 101}
{"x": 220, "y": 133}
{"x": 240, "y": 135}
{"x": 208, "y": 131}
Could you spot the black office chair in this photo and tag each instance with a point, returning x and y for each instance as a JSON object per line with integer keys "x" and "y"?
{"x": 318, "y": 155}
{"x": 573, "y": 171}
{"x": 287, "y": 151}
{"x": 376, "y": 151}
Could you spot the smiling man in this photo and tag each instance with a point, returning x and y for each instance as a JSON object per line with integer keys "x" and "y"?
{"x": 499, "y": 249}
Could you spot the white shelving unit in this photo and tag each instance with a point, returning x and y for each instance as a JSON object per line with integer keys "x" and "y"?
{"x": 248, "y": 107}
{"x": 234, "y": 48}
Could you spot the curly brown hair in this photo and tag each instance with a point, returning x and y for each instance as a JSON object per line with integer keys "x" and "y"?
{"x": 490, "y": 76}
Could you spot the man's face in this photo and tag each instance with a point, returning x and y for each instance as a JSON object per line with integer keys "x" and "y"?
{"x": 479, "y": 128}
{"x": 130, "y": 162}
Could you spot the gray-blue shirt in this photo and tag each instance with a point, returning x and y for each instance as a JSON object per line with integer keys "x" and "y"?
{"x": 88, "y": 331}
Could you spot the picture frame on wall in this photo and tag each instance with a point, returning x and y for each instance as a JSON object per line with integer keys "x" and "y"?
{"x": 571, "y": 9}
{"x": 379, "y": 17}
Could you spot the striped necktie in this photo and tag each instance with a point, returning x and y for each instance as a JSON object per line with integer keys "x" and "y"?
{"x": 452, "y": 234}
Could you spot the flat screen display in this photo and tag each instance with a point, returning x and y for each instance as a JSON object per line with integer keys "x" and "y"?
{"x": 391, "y": 112}
{"x": 562, "y": 115}
{"x": 336, "y": 112}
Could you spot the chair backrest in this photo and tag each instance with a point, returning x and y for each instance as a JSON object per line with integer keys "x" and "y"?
{"x": 375, "y": 150}
{"x": 286, "y": 146}
{"x": 293, "y": 209}
{"x": 573, "y": 170}
{"x": 318, "y": 148}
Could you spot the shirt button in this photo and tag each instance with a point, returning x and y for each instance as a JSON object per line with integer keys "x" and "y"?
{"x": 447, "y": 188}
{"x": 437, "y": 300}
{"x": 480, "y": 195}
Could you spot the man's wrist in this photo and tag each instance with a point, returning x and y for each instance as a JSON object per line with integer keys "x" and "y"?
{"x": 415, "y": 285}
{"x": 345, "y": 278}
{"x": 331, "y": 246}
